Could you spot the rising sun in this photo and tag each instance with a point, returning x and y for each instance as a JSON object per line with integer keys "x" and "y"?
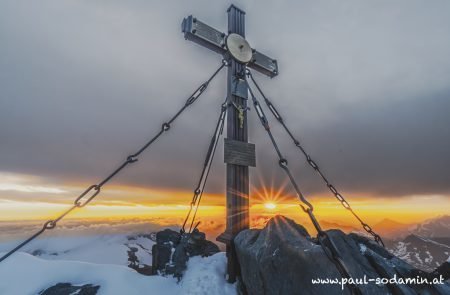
{"x": 270, "y": 206}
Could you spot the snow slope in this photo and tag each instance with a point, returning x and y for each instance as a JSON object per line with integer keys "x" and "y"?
{"x": 102, "y": 249}
{"x": 26, "y": 274}
{"x": 102, "y": 260}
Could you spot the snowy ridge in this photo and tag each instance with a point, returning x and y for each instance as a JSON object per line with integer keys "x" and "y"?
{"x": 435, "y": 227}
{"x": 423, "y": 253}
{"x": 433, "y": 242}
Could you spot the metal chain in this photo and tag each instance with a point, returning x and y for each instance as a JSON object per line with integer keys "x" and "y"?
{"x": 96, "y": 188}
{"x": 282, "y": 161}
{"x": 330, "y": 249}
{"x": 198, "y": 192}
{"x": 315, "y": 166}
{"x": 324, "y": 239}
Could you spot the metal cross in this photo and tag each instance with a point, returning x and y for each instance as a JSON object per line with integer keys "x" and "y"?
{"x": 238, "y": 153}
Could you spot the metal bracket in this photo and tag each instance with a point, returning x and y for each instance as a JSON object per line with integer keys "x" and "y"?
{"x": 225, "y": 238}
{"x": 239, "y": 88}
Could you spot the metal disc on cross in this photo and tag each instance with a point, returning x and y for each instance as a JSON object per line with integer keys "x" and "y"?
{"x": 239, "y": 48}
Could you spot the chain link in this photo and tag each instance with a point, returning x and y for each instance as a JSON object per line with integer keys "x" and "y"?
{"x": 315, "y": 166}
{"x": 84, "y": 199}
{"x": 329, "y": 247}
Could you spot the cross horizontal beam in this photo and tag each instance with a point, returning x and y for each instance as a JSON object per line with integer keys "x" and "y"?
{"x": 205, "y": 35}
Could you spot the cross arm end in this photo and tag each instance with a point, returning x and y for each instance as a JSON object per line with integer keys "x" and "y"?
{"x": 202, "y": 34}
{"x": 264, "y": 64}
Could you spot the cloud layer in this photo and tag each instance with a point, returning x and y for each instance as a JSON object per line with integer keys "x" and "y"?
{"x": 364, "y": 86}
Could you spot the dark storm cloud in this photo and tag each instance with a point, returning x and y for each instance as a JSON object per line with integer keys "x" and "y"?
{"x": 364, "y": 85}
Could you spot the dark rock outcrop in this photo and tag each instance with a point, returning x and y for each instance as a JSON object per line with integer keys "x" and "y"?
{"x": 173, "y": 249}
{"x": 134, "y": 263}
{"x": 443, "y": 270}
{"x": 137, "y": 248}
{"x": 283, "y": 258}
{"x": 67, "y": 288}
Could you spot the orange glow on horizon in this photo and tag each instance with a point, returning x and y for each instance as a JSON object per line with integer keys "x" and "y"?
{"x": 406, "y": 210}
{"x": 24, "y": 197}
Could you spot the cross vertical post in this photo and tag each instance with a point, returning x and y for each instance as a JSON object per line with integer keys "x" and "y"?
{"x": 237, "y": 176}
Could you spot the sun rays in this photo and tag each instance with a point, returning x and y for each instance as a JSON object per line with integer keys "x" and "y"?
{"x": 268, "y": 194}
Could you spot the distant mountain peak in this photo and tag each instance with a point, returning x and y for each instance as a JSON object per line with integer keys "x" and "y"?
{"x": 434, "y": 227}
{"x": 388, "y": 221}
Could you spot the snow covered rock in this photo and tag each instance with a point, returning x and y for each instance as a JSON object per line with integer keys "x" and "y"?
{"x": 67, "y": 288}
{"x": 421, "y": 252}
{"x": 283, "y": 258}
{"x": 173, "y": 249}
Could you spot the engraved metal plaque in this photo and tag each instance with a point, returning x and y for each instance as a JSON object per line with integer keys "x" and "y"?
{"x": 239, "y": 153}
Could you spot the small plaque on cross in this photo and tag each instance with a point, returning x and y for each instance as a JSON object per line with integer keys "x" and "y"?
{"x": 239, "y": 153}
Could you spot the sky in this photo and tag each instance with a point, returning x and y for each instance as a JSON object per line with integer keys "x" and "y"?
{"x": 364, "y": 85}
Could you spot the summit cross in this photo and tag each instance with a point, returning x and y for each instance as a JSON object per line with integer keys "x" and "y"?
{"x": 238, "y": 153}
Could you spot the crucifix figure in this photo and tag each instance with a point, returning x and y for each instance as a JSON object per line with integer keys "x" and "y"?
{"x": 238, "y": 153}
